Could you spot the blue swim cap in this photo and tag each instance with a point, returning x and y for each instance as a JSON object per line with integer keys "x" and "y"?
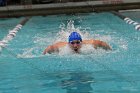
{"x": 75, "y": 36}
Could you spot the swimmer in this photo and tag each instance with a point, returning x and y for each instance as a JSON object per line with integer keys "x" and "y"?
{"x": 75, "y": 43}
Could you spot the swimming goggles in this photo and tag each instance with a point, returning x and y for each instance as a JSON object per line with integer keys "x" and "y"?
{"x": 77, "y": 42}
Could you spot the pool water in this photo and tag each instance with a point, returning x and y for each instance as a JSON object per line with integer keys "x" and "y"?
{"x": 23, "y": 68}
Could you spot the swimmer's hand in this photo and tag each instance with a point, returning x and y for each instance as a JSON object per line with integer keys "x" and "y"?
{"x": 104, "y": 45}
{"x": 49, "y": 50}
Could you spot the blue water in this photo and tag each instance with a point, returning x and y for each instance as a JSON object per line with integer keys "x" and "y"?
{"x": 23, "y": 68}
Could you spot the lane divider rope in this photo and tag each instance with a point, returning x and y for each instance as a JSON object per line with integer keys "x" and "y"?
{"x": 128, "y": 20}
{"x": 12, "y": 33}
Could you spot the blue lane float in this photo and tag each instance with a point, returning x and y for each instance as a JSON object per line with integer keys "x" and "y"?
{"x": 12, "y": 33}
{"x": 128, "y": 20}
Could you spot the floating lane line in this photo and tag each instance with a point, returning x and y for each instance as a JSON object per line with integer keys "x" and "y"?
{"x": 128, "y": 20}
{"x": 12, "y": 33}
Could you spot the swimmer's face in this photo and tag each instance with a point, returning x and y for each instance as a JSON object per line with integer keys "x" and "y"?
{"x": 75, "y": 45}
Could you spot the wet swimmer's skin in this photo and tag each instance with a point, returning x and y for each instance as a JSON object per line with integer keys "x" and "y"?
{"x": 75, "y": 43}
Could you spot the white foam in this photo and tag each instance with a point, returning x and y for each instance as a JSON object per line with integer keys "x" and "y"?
{"x": 86, "y": 49}
{"x": 65, "y": 50}
{"x": 64, "y": 33}
{"x": 27, "y": 53}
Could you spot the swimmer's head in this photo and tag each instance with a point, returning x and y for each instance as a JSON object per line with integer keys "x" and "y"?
{"x": 75, "y": 41}
{"x": 74, "y": 36}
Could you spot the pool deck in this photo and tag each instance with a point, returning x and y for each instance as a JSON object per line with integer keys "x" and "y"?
{"x": 66, "y": 8}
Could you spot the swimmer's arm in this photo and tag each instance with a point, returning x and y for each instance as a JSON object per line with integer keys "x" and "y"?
{"x": 104, "y": 45}
{"x": 53, "y": 48}
{"x": 49, "y": 49}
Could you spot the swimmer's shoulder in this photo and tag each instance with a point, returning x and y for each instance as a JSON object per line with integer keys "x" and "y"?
{"x": 60, "y": 44}
{"x": 91, "y": 41}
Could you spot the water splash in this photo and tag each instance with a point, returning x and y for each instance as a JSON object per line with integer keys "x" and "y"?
{"x": 33, "y": 52}
{"x": 63, "y": 34}
{"x": 65, "y": 31}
